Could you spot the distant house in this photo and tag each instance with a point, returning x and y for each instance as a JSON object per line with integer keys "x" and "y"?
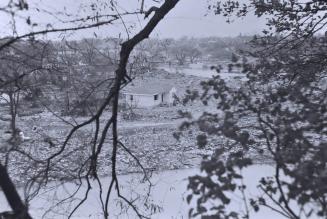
{"x": 149, "y": 94}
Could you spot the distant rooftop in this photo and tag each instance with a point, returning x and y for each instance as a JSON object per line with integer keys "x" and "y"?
{"x": 151, "y": 87}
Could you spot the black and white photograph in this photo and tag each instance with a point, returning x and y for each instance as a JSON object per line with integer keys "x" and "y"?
{"x": 163, "y": 109}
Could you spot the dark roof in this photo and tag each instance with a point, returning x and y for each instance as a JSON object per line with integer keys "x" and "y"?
{"x": 149, "y": 87}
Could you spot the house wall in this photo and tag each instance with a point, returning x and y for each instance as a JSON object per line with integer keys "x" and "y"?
{"x": 142, "y": 100}
{"x": 166, "y": 98}
{"x": 147, "y": 100}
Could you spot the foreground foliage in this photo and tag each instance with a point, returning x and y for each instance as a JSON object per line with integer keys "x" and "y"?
{"x": 285, "y": 97}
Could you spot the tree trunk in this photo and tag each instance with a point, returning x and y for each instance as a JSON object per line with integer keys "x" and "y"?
{"x": 12, "y": 114}
{"x": 12, "y": 196}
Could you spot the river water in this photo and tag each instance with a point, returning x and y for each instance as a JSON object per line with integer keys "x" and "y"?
{"x": 169, "y": 192}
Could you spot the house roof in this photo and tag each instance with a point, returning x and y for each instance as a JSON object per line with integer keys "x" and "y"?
{"x": 148, "y": 87}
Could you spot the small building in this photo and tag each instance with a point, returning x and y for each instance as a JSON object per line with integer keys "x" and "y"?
{"x": 149, "y": 94}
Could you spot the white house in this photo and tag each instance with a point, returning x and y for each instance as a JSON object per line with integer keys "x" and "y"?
{"x": 149, "y": 93}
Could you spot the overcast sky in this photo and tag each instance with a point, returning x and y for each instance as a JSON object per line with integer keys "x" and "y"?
{"x": 189, "y": 18}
